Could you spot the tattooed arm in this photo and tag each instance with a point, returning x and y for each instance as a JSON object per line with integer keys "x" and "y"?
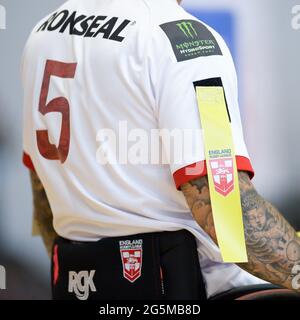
{"x": 42, "y": 212}
{"x": 272, "y": 244}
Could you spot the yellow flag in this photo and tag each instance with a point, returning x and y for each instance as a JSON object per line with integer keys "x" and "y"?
{"x": 222, "y": 174}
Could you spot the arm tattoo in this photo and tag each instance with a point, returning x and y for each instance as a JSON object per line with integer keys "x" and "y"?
{"x": 272, "y": 244}
{"x": 42, "y": 212}
{"x": 197, "y": 195}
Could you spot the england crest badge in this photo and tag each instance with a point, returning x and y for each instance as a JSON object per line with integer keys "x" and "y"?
{"x": 222, "y": 172}
{"x": 132, "y": 258}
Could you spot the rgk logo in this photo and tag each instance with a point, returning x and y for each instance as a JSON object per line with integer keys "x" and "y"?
{"x": 82, "y": 284}
{"x": 2, "y": 278}
{"x": 2, "y": 17}
{"x": 188, "y": 29}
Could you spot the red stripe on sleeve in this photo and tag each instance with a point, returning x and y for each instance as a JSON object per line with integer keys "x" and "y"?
{"x": 199, "y": 169}
{"x": 27, "y": 162}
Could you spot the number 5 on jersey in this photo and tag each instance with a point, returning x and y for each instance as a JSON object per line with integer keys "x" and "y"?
{"x": 59, "y": 104}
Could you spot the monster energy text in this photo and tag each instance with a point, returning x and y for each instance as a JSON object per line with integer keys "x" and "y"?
{"x": 192, "y": 46}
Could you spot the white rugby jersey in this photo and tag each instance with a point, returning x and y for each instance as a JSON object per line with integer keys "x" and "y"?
{"x": 92, "y": 69}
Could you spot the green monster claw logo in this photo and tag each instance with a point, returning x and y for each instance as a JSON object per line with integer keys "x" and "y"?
{"x": 188, "y": 29}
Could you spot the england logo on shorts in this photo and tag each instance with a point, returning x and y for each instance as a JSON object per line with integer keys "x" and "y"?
{"x": 132, "y": 257}
{"x": 222, "y": 172}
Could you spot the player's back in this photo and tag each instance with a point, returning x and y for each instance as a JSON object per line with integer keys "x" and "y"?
{"x": 86, "y": 84}
{"x": 101, "y": 78}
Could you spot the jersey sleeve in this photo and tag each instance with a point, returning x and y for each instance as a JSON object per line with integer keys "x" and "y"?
{"x": 183, "y": 53}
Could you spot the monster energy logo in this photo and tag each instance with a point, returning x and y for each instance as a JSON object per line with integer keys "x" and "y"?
{"x": 188, "y": 29}
{"x": 191, "y": 39}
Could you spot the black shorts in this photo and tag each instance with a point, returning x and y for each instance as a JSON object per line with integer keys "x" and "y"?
{"x": 160, "y": 266}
